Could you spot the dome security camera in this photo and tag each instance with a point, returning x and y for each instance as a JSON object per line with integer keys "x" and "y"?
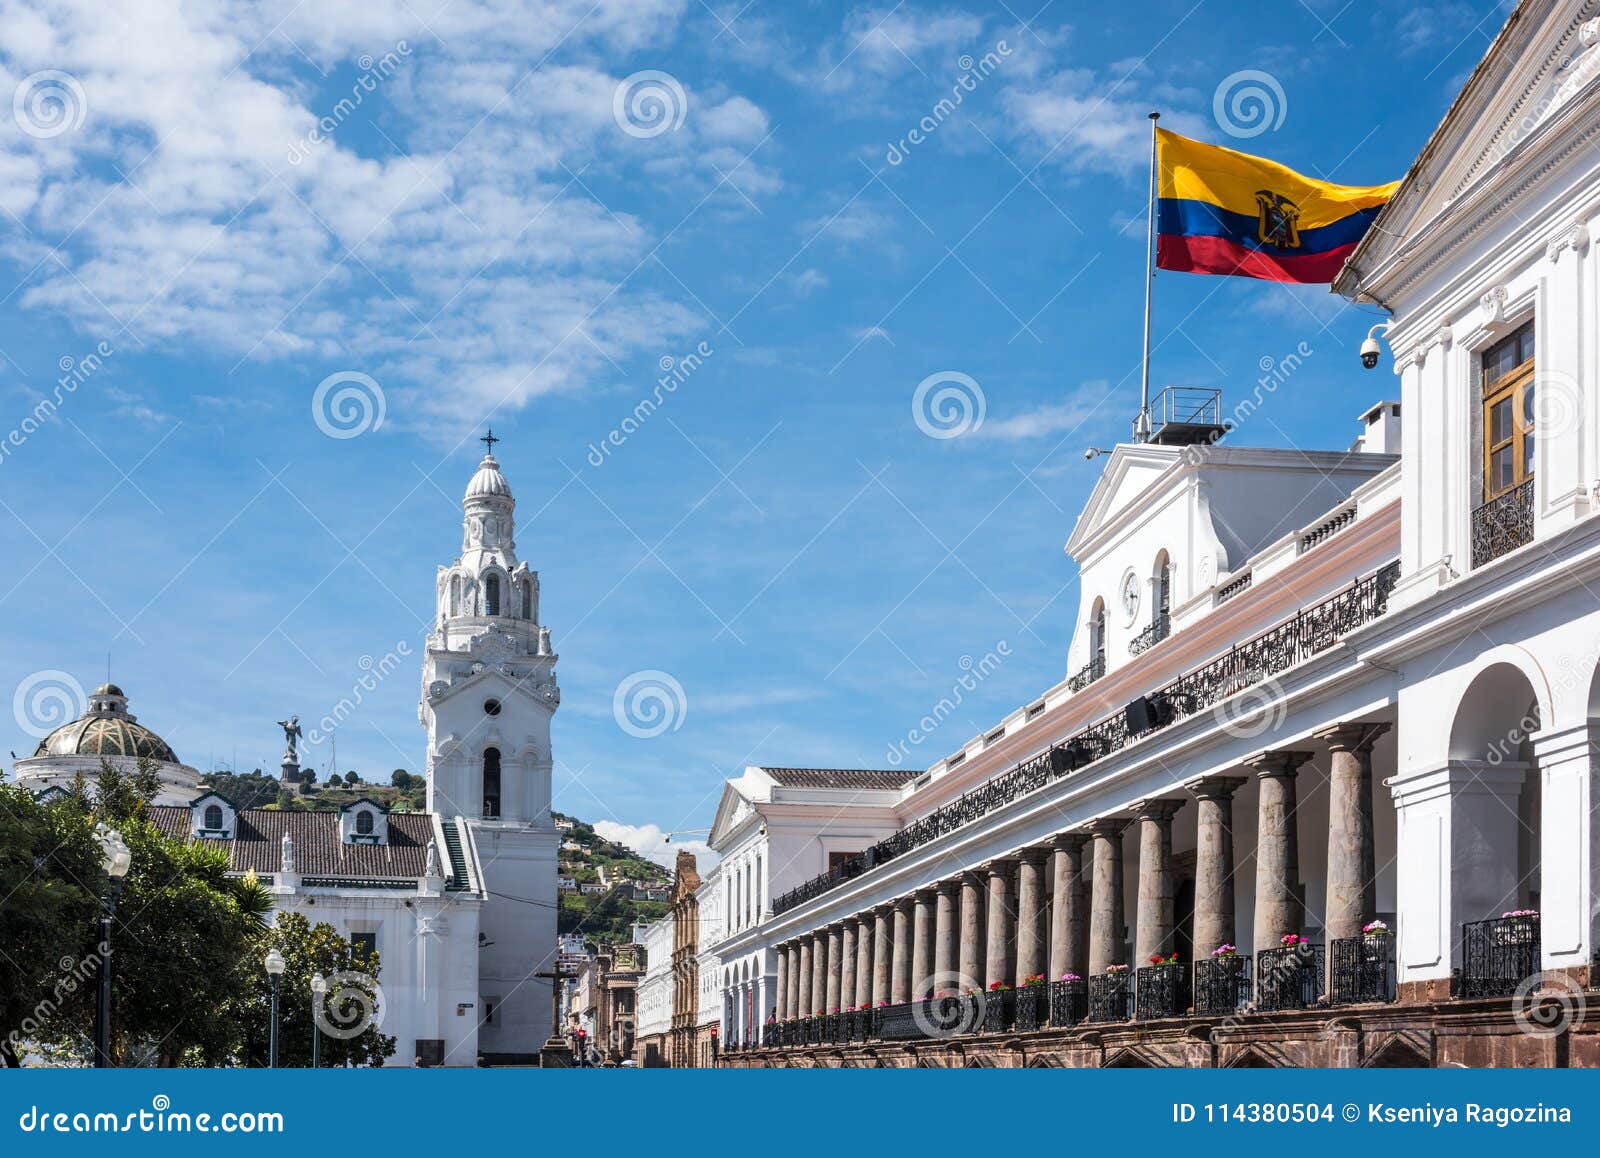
{"x": 1370, "y": 353}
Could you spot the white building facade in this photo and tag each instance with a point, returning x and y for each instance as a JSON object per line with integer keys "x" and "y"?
{"x": 1318, "y": 787}
{"x": 488, "y": 694}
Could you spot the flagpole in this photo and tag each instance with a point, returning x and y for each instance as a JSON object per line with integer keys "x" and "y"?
{"x": 1141, "y": 430}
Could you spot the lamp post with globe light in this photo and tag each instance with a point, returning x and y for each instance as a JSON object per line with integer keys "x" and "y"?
{"x": 319, "y": 986}
{"x": 116, "y": 859}
{"x": 274, "y": 965}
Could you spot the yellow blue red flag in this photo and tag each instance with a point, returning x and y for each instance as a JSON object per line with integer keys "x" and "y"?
{"x": 1224, "y": 212}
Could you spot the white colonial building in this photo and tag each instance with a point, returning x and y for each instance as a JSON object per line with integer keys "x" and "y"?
{"x": 1319, "y": 786}
{"x": 488, "y": 694}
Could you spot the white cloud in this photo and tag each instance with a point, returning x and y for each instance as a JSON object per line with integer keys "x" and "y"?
{"x": 650, "y": 842}
{"x": 469, "y": 268}
{"x": 1090, "y": 403}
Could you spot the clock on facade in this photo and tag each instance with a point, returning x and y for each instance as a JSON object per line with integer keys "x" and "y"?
{"x": 1130, "y": 595}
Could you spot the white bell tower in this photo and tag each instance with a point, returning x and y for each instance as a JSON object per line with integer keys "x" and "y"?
{"x": 488, "y": 693}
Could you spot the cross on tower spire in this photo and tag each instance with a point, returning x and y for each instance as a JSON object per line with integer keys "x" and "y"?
{"x": 489, "y": 440}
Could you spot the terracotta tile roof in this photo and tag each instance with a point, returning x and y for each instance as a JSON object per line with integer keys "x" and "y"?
{"x": 880, "y": 779}
{"x": 318, "y": 850}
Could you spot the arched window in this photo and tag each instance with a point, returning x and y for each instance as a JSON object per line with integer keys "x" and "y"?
{"x": 213, "y": 816}
{"x": 1161, "y": 605}
{"x": 527, "y": 599}
{"x": 491, "y": 595}
{"x": 1097, "y": 641}
{"x": 455, "y": 595}
{"x": 363, "y": 823}
{"x": 491, "y": 783}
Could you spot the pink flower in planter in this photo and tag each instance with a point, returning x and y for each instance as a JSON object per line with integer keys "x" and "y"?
{"x": 1070, "y": 976}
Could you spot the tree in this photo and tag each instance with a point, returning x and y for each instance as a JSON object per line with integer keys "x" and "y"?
{"x": 351, "y": 779}
{"x": 183, "y": 925}
{"x": 401, "y": 779}
{"x": 49, "y": 869}
{"x": 349, "y": 1003}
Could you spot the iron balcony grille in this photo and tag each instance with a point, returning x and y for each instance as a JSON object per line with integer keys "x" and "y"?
{"x": 1151, "y": 635}
{"x": 1033, "y": 1007}
{"x": 1069, "y": 1002}
{"x": 1110, "y": 997}
{"x": 1307, "y": 633}
{"x": 1162, "y": 991}
{"x": 1221, "y": 985}
{"x": 1361, "y": 969}
{"x": 1090, "y": 672}
{"x": 1502, "y": 524}
{"x": 999, "y": 1010}
{"x": 1289, "y": 978}
{"x": 1498, "y": 955}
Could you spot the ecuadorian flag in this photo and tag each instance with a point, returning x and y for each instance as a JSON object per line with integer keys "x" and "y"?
{"x": 1220, "y": 211}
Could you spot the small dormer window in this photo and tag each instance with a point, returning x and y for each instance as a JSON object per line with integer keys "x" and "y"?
{"x": 213, "y": 817}
{"x": 363, "y": 823}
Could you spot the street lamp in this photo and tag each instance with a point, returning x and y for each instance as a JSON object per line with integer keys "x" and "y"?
{"x": 116, "y": 859}
{"x": 319, "y": 986}
{"x": 274, "y": 965}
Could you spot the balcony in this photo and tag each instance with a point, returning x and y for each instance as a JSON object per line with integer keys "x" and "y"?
{"x": 1111, "y": 997}
{"x": 1361, "y": 970}
{"x": 1221, "y": 985}
{"x": 1151, "y": 635}
{"x": 1290, "y": 977}
{"x": 1308, "y": 633}
{"x": 1090, "y": 672}
{"x": 1162, "y": 991}
{"x": 1502, "y": 524}
{"x": 1497, "y": 956}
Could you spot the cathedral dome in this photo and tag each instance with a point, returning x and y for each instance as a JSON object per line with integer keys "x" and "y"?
{"x": 488, "y": 482}
{"x": 106, "y": 732}
{"x": 96, "y": 735}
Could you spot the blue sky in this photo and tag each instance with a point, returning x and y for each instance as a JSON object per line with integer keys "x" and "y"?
{"x": 511, "y": 225}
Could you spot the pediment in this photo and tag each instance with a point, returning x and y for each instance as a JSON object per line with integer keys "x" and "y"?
{"x": 1129, "y": 472}
{"x": 1542, "y": 66}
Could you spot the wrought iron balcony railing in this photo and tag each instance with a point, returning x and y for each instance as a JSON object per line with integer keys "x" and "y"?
{"x": 1498, "y": 955}
{"x": 1033, "y": 1007}
{"x": 1069, "y": 1002}
{"x": 1502, "y": 524}
{"x": 1221, "y": 985}
{"x": 1308, "y": 633}
{"x": 1290, "y": 977}
{"x": 999, "y": 1010}
{"x": 1090, "y": 672}
{"x": 1162, "y": 991}
{"x": 1361, "y": 969}
{"x": 1111, "y": 997}
{"x": 1152, "y": 635}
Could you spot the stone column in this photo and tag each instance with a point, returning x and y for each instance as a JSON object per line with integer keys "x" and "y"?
{"x": 1280, "y": 897}
{"x": 882, "y": 954}
{"x": 864, "y": 959}
{"x": 819, "y": 972}
{"x": 1069, "y": 907}
{"x": 803, "y": 1006}
{"x": 1030, "y": 915}
{"x": 1213, "y": 868}
{"x": 946, "y": 938}
{"x": 900, "y": 968}
{"x": 1002, "y": 924}
{"x": 1155, "y": 917}
{"x": 783, "y": 983}
{"x": 847, "y": 969}
{"x": 1108, "y": 943}
{"x": 1352, "y": 893}
{"x": 970, "y": 964}
{"x": 796, "y": 1002}
{"x": 922, "y": 934}
{"x": 835, "y": 968}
